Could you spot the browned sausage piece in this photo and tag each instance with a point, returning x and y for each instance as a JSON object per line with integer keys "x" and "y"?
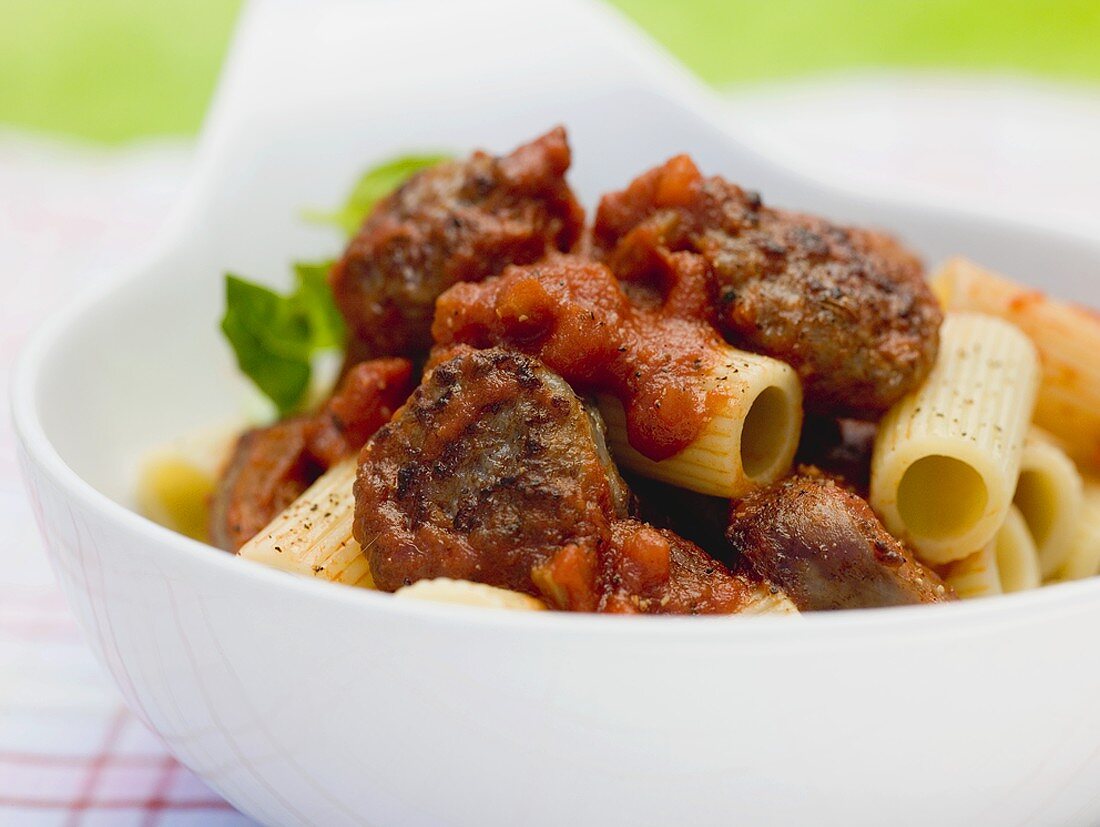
{"x": 655, "y": 571}
{"x": 496, "y": 472}
{"x": 270, "y": 467}
{"x": 458, "y": 221}
{"x": 824, "y": 546}
{"x": 491, "y": 467}
{"x": 847, "y": 308}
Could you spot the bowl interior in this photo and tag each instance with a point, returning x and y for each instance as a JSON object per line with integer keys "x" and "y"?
{"x": 145, "y": 361}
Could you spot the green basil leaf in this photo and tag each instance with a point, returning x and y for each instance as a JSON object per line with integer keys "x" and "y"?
{"x": 315, "y": 298}
{"x": 275, "y": 337}
{"x": 373, "y": 185}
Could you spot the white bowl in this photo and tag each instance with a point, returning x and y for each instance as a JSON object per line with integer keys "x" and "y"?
{"x": 308, "y": 703}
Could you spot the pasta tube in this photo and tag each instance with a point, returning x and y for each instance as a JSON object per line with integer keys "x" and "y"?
{"x": 467, "y": 593}
{"x": 176, "y": 481}
{"x": 749, "y": 441}
{"x": 174, "y": 492}
{"x": 1049, "y": 494}
{"x": 1083, "y": 559}
{"x": 313, "y": 536}
{"x": 975, "y": 575}
{"x": 947, "y": 457}
{"x": 765, "y": 601}
{"x": 1066, "y": 337}
{"x": 1010, "y": 563}
{"x": 1017, "y": 556}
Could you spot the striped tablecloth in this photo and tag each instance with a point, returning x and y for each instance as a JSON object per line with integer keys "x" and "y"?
{"x": 70, "y": 753}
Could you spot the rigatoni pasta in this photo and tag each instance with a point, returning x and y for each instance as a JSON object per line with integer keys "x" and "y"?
{"x": 947, "y": 457}
{"x": 1017, "y": 555}
{"x": 313, "y": 536}
{"x": 975, "y": 575}
{"x": 1009, "y": 563}
{"x": 1048, "y": 495}
{"x": 1083, "y": 559}
{"x": 177, "y": 480}
{"x": 767, "y": 601}
{"x": 173, "y": 492}
{"x": 1067, "y": 339}
{"x": 467, "y": 593}
{"x": 749, "y": 441}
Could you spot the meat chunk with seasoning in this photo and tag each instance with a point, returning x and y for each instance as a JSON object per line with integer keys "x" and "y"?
{"x": 496, "y": 472}
{"x": 825, "y": 548}
{"x": 457, "y": 221}
{"x": 848, "y": 308}
{"x": 270, "y": 467}
{"x": 491, "y": 466}
{"x": 654, "y": 571}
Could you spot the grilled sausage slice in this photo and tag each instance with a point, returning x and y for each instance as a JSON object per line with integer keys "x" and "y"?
{"x": 824, "y": 546}
{"x": 457, "y": 221}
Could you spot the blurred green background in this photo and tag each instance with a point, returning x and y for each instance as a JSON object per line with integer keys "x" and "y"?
{"x": 113, "y": 70}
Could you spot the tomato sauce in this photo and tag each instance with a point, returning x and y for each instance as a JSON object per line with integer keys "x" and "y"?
{"x": 573, "y": 315}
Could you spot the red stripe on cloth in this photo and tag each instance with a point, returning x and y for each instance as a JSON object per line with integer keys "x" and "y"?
{"x": 36, "y": 759}
{"x": 96, "y": 764}
{"x": 117, "y": 804}
{"x": 158, "y": 801}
